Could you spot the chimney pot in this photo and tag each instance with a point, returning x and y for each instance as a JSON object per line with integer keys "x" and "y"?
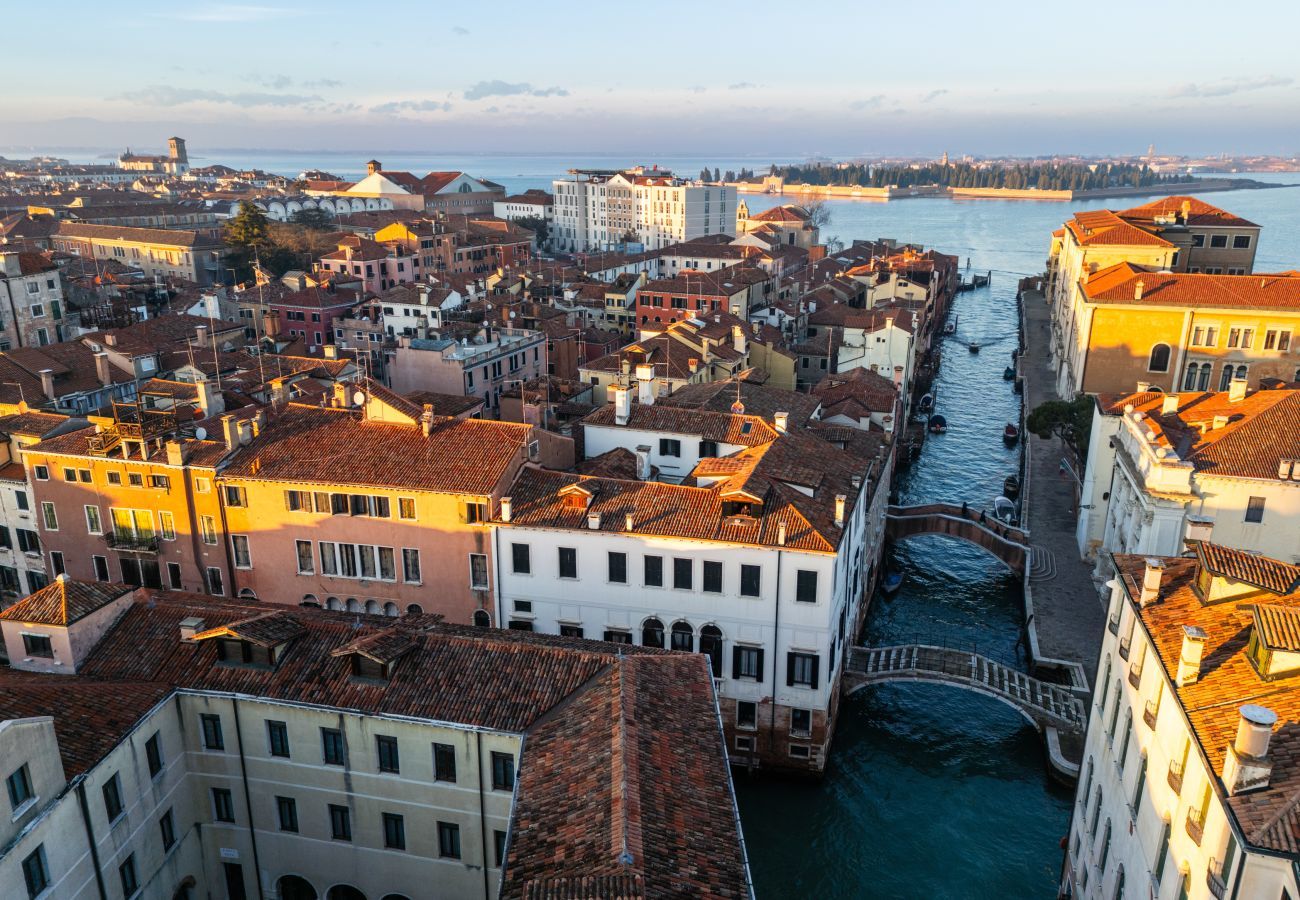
{"x": 1199, "y": 528}
{"x": 230, "y": 431}
{"x": 331, "y": 351}
{"x": 1155, "y": 571}
{"x": 840, "y": 503}
{"x": 1189, "y": 659}
{"x": 1246, "y": 766}
{"x": 1220, "y": 422}
{"x": 780, "y": 534}
{"x": 190, "y": 626}
{"x": 593, "y": 521}
{"x": 627, "y": 522}
{"x": 781, "y": 421}
{"x": 507, "y": 510}
{"x": 1137, "y": 289}
{"x": 1236, "y": 390}
{"x": 47, "y": 383}
{"x": 643, "y": 462}
{"x": 102, "y": 370}
{"x": 1169, "y": 405}
{"x": 622, "y": 406}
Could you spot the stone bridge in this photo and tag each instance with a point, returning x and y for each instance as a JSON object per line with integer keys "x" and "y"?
{"x": 1010, "y": 545}
{"x": 1043, "y": 704}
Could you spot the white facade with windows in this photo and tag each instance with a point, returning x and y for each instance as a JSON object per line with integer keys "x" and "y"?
{"x": 599, "y": 210}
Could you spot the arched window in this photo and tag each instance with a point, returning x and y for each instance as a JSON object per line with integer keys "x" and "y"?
{"x": 247, "y": 594}
{"x": 1189, "y": 380}
{"x": 1226, "y": 378}
{"x": 373, "y": 607}
{"x": 1203, "y": 380}
{"x": 333, "y": 603}
{"x": 1105, "y": 848}
{"x": 310, "y": 600}
{"x": 1240, "y": 374}
{"x": 1119, "y": 883}
{"x": 390, "y": 609}
{"x": 353, "y": 605}
{"x": 482, "y": 618}
{"x": 652, "y": 633}
{"x": 711, "y": 646}
{"x": 1159, "y": 360}
{"x": 295, "y": 887}
{"x": 414, "y": 609}
{"x": 683, "y": 636}
{"x": 344, "y": 892}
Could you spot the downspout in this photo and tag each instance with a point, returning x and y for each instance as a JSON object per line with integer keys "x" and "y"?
{"x": 482, "y": 815}
{"x": 248, "y": 800}
{"x": 18, "y": 336}
{"x": 776, "y": 651}
{"x": 496, "y": 559}
{"x": 90, "y": 837}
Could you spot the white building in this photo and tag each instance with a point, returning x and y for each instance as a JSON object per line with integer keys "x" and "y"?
{"x": 31, "y": 301}
{"x": 604, "y": 209}
{"x": 1221, "y": 466}
{"x": 760, "y": 561}
{"x": 1189, "y": 783}
{"x": 533, "y": 204}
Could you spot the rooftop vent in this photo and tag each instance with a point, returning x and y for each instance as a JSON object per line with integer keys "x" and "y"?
{"x": 190, "y": 626}
{"x": 1189, "y": 659}
{"x": 1154, "y": 572}
{"x": 1246, "y": 766}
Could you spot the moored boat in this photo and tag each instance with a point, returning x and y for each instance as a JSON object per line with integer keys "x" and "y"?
{"x": 926, "y": 403}
{"x": 937, "y": 424}
{"x": 1005, "y": 511}
{"x": 1009, "y": 373}
{"x": 890, "y": 582}
{"x": 1011, "y": 487}
{"x": 1010, "y": 435}
{"x": 973, "y": 347}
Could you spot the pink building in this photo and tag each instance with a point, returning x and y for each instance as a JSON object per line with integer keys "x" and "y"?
{"x": 379, "y": 266}
{"x": 310, "y": 313}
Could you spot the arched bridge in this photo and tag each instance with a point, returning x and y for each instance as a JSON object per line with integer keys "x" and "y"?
{"x": 1011, "y": 545}
{"x": 1042, "y": 703}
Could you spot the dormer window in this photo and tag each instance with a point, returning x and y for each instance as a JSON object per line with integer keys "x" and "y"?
{"x": 368, "y": 669}
{"x": 372, "y": 658}
{"x": 246, "y": 653}
{"x": 258, "y": 642}
{"x": 1274, "y": 648}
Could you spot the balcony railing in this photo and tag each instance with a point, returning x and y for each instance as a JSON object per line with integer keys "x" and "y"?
{"x": 1124, "y": 646}
{"x": 1195, "y": 825}
{"x": 1135, "y": 676}
{"x": 1214, "y": 878}
{"x": 128, "y": 542}
{"x": 1149, "y": 714}
{"x": 1175, "y": 777}
{"x": 1113, "y": 624}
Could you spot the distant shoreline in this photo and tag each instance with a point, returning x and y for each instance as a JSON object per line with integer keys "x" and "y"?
{"x": 848, "y": 192}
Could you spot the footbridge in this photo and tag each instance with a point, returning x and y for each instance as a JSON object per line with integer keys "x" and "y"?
{"x": 1043, "y": 704}
{"x": 1010, "y": 545}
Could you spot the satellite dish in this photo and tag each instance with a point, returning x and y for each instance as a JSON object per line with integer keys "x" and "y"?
{"x": 359, "y": 397}
{"x": 200, "y": 433}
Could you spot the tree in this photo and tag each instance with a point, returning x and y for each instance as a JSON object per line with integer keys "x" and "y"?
{"x": 318, "y": 219}
{"x": 834, "y": 245}
{"x": 538, "y": 226}
{"x": 1069, "y": 420}
{"x": 819, "y": 214}
{"x": 704, "y": 174}
{"x": 717, "y": 175}
{"x": 248, "y": 228}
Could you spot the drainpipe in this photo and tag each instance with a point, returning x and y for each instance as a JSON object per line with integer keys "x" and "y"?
{"x": 248, "y": 800}
{"x": 496, "y": 558}
{"x": 776, "y": 651}
{"x": 90, "y": 838}
{"x": 482, "y": 815}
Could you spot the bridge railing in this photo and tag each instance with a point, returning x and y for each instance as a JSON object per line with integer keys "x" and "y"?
{"x": 1013, "y": 659}
{"x": 981, "y": 517}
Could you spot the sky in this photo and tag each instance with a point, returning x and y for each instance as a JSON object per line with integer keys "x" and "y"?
{"x": 838, "y": 78}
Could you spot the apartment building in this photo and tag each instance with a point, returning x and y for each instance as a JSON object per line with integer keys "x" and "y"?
{"x": 373, "y": 503}
{"x": 531, "y": 204}
{"x": 22, "y": 562}
{"x": 694, "y": 351}
{"x": 481, "y": 365}
{"x": 787, "y": 224}
{"x": 166, "y": 744}
{"x": 882, "y": 340}
{"x": 377, "y": 266}
{"x": 1177, "y": 331}
{"x": 737, "y": 290}
{"x": 750, "y": 543}
{"x": 1188, "y": 784}
{"x": 159, "y": 253}
{"x": 311, "y": 314}
{"x": 31, "y": 301}
{"x": 1219, "y": 466}
{"x": 600, "y": 209}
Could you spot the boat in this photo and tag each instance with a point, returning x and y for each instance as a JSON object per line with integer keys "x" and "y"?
{"x": 926, "y": 403}
{"x": 978, "y": 281}
{"x": 1005, "y": 511}
{"x": 1009, "y": 373}
{"x": 1010, "y": 435}
{"x": 951, "y": 327}
{"x": 890, "y": 582}
{"x": 1011, "y": 486}
{"x": 973, "y": 347}
{"x": 937, "y": 424}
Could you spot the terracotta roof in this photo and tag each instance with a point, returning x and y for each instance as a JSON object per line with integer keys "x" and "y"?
{"x": 1118, "y": 284}
{"x": 782, "y": 214}
{"x": 63, "y": 601}
{"x": 1278, "y": 626}
{"x": 1261, "y": 571}
{"x": 160, "y": 237}
{"x": 202, "y": 454}
{"x": 32, "y": 424}
{"x": 856, "y": 389}
{"x": 31, "y": 264}
{"x": 1101, "y": 227}
{"x": 758, "y": 399}
{"x": 745, "y": 430}
{"x": 1199, "y": 213}
{"x": 268, "y": 629}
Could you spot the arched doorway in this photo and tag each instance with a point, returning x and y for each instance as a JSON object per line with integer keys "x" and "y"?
{"x": 344, "y": 892}
{"x": 390, "y": 609}
{"x": 333, "y": 603}
{"x": 414, "y": 609}
{"x": 373, "y": 607}
{"x": 482, "y": 618}
{"x": 247, "y": 594}
{"x": 295, "y": 887}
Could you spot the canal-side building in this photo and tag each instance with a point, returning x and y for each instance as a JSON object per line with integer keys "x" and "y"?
{"x": 1220, "y": 466}
{"x": 164, "y": 744}
{"x": 1189, "y": 783}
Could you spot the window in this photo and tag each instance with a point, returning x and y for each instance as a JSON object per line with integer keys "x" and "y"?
{"x": 499, "y": 847}
{"x": 36, "y": 873}
{"x": 405, "y": 507}
{"x": 69, "y": 474}
{"x": 38, "y": 646}
{"x": 235, "y": 496}
{"x": 211, "y": 725}
{"x": 332, "y": 751}
{"x": 306, "y": 565}
{"x": 239, "y": 544}
{"x": 805, "y": 590}
{"x": 167, "y": 827}
{"x": 126, "y": 871}
{"x": 800, "y": 723}
{"x": 683, "y": 637}
{"x": 394, "y": 831}
{"x": 1241, "y": 242}
{"x": 1255, "y": 509}
{"x": 503, "y": 772}
{"x": 654, "y": 571}
{"x": 746, "y": 715}
{"x": 208, "y": 527}
{"x": 448, "y": 840}
{"x": 112, "y": 791}
{"x": 340, "y": 823}
{"x": 42, "y": 473}
{"x": 670, "y": 447}
{"x": 573, "y": 631}
{"x": 682, "y": 573}
{"x": 153, "y": 754}
{"x": 444, "y": 763}
{"x": 652, "y": 633}
{"x": 474, "y": 513}
{"x": 173, "y": 573}
{"x": 20, "y": 497}
{"x": 410, "y": 565}
{"x": 297, "y": 501}
{"x": 286, "y": 809}
{"x": 750, "y": 580}
{"x": 202, "y": 485}
{"x": 161, "y": 482}
{"x": 568, "y": 557}
{"x": 215, "y": 586}
{"x": 478, "y": 571}
{"x": 618, "y": 567}
{"x": 1159, "y": 359}
{"x": 801, "y": 669}
{"x": 223, "y": 805}
{"x": 1198, "y": 240}
{"x": 168, "y": 523}
{"x": 135, "y": 479}
{"x": 386, "y": 748}
{"x": 277, "y": 738}
{"x": 521, "y": 562}
{"x": 1218, "y": 240}
{"x": 20, "y": 787}
{"x": 747, "y": 662}
{"x": 48, "y": 516}
{"x": 708, "y": 448}
{"x": 711, "y": 646}
{"x": 1275, "y": 339}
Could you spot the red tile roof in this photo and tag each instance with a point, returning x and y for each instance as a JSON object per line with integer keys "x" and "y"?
{"x": 1199, "y": 213}
{"x": 1118, "y": 284}
{"x": 63, "y": 601}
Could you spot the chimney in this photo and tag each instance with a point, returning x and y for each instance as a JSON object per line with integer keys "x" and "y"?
{"x": 1137, "y": 289}
{"x": 1199, "y": 528}
{"x": 645, "y": 380}
{"x": 259, "y": 421}
{"x": 11, "y": 264}
{"x": 1155, "y": 571}
{"x": 622, "y": 405}
{"x": 1143, "y": 387}
{"x": 341, "y": 394}
{"x": 47, "y": 383}
{"x": 738, "y": 339}
{"x": 643, "y": 462}
{"x": 781, "y": 421}
{"x": 175, "y": 453}
{"x": 1246, "y": 766}
{"x": 1186, "y": 211}
{"x": 1236, "y": 390}
{"x": 627, "y": 522}
{"x": 887, "y": 422}
{"x": 1189, "y": 659}
{"x": 373, "y": 166}
{"x": 840, "y": 500}
{"x": 201, "y": 335}
{"x": 190, "y": 626}
{"x": 331, "y": 351}
{"x": 780, "y": 534}
{"x": 277, "y": 393}
{"x": 210, "y": 402}
{"x": 593, "y": 521}
{"x": 693, "y": 364}
{"x": 1169, "y": 405}
{"x": 245, "y": 428}
{"x": 230, "y": 432}
{"x": 426, "y": 419}
{"x": 102, "y": 369}
{"x": 506, "y": 508}
{"x": 1220, "y": 422}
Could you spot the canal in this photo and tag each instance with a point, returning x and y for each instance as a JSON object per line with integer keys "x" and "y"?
{"x": 931, "y": 791}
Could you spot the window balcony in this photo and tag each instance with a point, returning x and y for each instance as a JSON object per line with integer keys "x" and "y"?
{"x": 1175, "y": 777}
{"x": 1195, "y": 825}
{"x": 1149, "y": 714}
{"x": 1214, "y": 878}
{"x": 128, "y": 542}
{"x": 1135, "y": 676}
{"x": 1113, "y": 625}
{"x": 1124, "y": 647}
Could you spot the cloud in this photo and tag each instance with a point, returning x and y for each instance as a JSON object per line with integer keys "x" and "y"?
{"x": 869, "y": 103}
{"x": 1228, "y": 86}
{"x": 934, "y": 95}
{"x": 497, "y": 88}
{"x": 742, "y": 86}
{"x": 323, "y": 83}
{"x": 169, "y": 95}
{"x": 698, "y": 89}
{"x": 397, "y": 106}
{"x": 230, "y": 12}
{"x": 460, "y": 30}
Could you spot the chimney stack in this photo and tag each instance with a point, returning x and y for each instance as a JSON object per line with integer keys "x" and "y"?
{"x": 190, "y": 626}
{"x": 593, "y": 521}
{"x": 426, "y": 419}
{"x": 210, "y": 402}
{"x": 1236, "y": 390}
{"x": 840, "y": 502}
{"x": 622, "y": 405}
{"x": 245, "y": 430}
{"x": 738, "y": 339}
{"x": 47, "y": 383}
{"x": 1151, "y": 577}
{"x": 507, "y": 510}
{"x": 1186, "y": 211}
{"x": 201, "y": 335}
{"x": 331, "y": 351}
{"x": 780, "y": 534}
{"x": 1220, "y": 422}
{"x": 627, "y": 522}
{"x": 1169, "y": 405}
{"x": 373, "y": 166}
{"x": 230, "y": 431}
{"x": 1137, "y": 289}
{"x": 781, "y": 421}
{"x": 341, "y": 394}
{"x": 643, "y": 462}
{"x": 1189, "y": 659}
{"x": 645, "y": 380}
{"x": 102, "y": 369}
{"x": 1246, "y": 766}
{"x": 175, "y": 453}
{"x": 1199, "y": 528}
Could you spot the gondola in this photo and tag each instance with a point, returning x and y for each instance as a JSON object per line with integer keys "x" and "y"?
{"x": 1010, "y": 435}
{"x": 973, "y": 347}
{"x": 937, "y": 424}
{"x": 926, "y": 403}
{"x": 1011, "y": 487}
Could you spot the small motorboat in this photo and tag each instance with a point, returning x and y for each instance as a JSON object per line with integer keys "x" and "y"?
{"x": 926, "y": 403}
{"x": 890, "y": 582}
{"x": 937, "y": 424}
{"x": 973, "y": 347}
{"x": 1011, "y": 487}
{"x": 1009, "y": 373}
{"x": 950, "y": 328}
{"x": 1005, "y": 511}
{"x": 1010, "y": 435}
